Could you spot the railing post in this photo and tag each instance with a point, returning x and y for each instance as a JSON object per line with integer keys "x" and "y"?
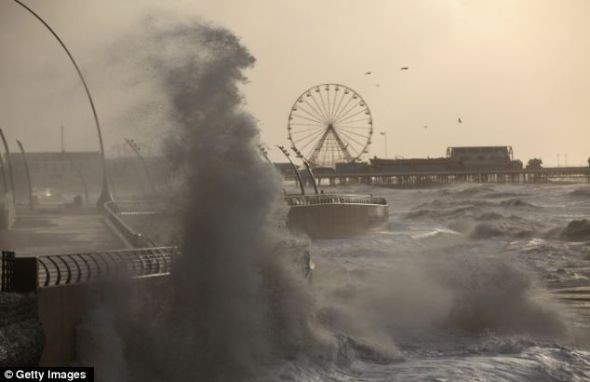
{"x": 21, "y": 274}
{"x": 24, "y": 277}
{"x": 7, "y": 271}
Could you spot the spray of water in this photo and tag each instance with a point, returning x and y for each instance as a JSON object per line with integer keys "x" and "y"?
{"x": 223, "y": 314}
{"x": 233, "y": 302}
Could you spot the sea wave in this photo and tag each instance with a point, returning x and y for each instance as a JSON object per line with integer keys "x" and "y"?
{"x": 582, "y": 192}
{"x": 504, "y": 194}
{"x": 517, "y": 203}
{"x": 447, "y": 213}
{"x": 475, "y": 209}
{"x": 508, "y": 228}
{"x": 576, "y": 230}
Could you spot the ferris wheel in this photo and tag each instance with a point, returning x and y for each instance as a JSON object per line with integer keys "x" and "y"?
{"x": 330, "y": 123}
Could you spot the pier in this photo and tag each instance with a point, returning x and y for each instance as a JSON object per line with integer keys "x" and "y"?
{"x": 419, "y": 179}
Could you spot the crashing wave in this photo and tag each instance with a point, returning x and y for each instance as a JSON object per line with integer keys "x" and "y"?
{"x": 489, "y": 230}
{"x": 350, "y": 349}
{"x": 445, "y": 213}
{"x": 504, "y": 194}
{"x": 474, "y": 191}
{"x": 576, "y": 230}
{"x": 583, "y": 192}
{"x": 438, "y": 203}
{"x": 517, "y": 203}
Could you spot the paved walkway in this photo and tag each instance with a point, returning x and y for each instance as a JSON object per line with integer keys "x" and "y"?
{"x": 48, "y": 232}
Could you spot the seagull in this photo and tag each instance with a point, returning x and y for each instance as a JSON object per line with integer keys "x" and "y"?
{"x": 367, "y": 73}
{"x": 459, "y": 120}
{"x": 404, "y": 68}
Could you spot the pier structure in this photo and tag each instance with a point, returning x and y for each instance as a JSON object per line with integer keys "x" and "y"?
{"x": 462, "y": 164}
{"x": 428, "y": 178}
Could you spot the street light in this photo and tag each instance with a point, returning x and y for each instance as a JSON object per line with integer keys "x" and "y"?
{"x": 385, "y": 142}
{"x": 105, "y": 194}
{"x": 27, "y": 173}
{"x": 136, "y": 149}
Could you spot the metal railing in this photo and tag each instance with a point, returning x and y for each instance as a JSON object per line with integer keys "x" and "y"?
{"x": 113, "y": 215}
{"x": 7, "y": 272}
{"x": 78, "y": 268}
{"x": 25, "y": 274}
{"x": 30, "y": 273}
{"x": 138, "y": 207}
{"x": 308, "y": 200}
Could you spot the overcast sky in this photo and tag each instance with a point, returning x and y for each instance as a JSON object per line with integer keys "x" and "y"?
{"x": 517, "y": 72}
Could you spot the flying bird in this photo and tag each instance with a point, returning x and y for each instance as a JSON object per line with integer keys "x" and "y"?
{"x": 367, "y": 73}
{"x": 426, "y": 126}
{"x": 459, "y": 120}
{"x": 378, "y": 85}
{"x": 404, "y": 68}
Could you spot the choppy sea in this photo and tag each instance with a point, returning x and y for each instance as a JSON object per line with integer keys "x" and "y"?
{"x": 465, "y": 283}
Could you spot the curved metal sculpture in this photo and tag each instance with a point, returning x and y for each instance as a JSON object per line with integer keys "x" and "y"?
{"x": 105, "y": 194}
{"x": 309, "y": 171}
{"x": 5, "y": 185}
{"x": 295, "y": 169}
{"x": 330, "y": 123}
{"x": 9, "y": 161}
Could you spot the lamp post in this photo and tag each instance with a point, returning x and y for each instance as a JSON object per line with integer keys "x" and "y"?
{"x": 76, "y": 168}
{"x": 27, "y": 173}
{"x": 105, "y": 193}
{"x": 384, "y": 142}
{"x": 136, "y": 149}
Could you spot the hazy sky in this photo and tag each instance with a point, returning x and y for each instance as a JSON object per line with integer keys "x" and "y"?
{"x": 516, "y": 71}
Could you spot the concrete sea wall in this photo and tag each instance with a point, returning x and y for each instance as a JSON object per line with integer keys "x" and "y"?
{"x": 21, "y": 334}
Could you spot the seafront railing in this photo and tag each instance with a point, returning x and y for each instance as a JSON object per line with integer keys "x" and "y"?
{"x": 25, "y": 274}
{"x": 113, "y": 211}
{"x": 7, "y": 271}
{"x": 307, "y": 200}
{"x": 137, "y": 207}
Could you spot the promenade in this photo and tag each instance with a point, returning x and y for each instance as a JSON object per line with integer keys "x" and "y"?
{"x": 48, "y": 231}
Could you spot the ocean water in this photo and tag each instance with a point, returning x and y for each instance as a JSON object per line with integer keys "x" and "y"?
{"x": 465, "y": 283}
